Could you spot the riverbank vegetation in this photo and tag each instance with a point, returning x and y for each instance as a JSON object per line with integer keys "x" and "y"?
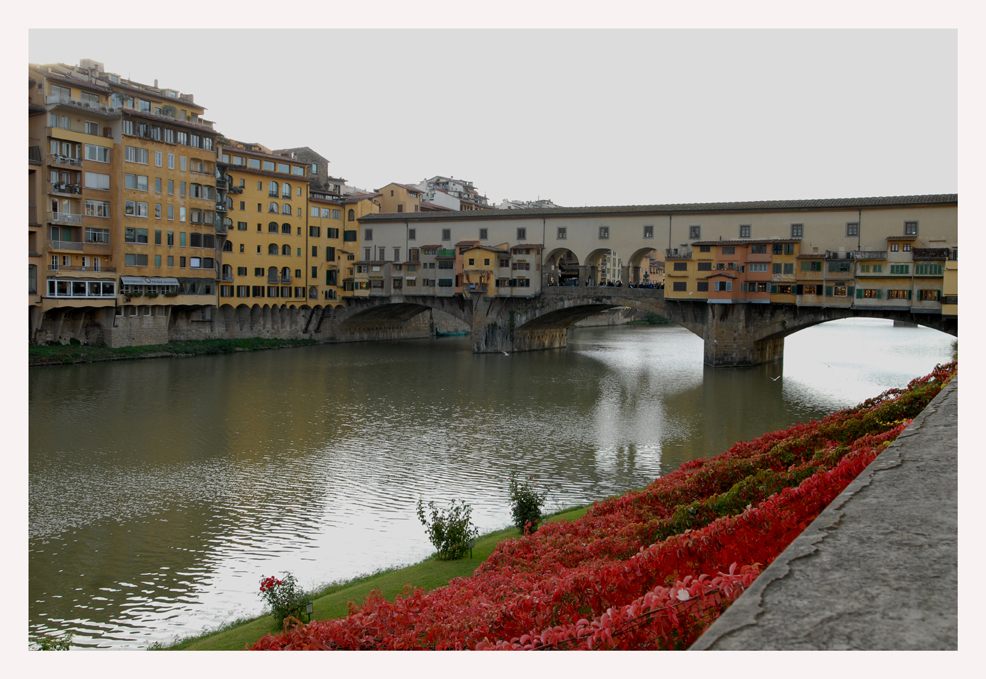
{"x": 652, "y": 319}
{"x": 62, "y": 354}
{"x": 650, "y": 569}
{"x": 334, "y": 600}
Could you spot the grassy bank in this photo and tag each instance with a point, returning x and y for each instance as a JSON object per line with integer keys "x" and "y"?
{"x": 63, "y": 354}
{"x": 333, "y": 600}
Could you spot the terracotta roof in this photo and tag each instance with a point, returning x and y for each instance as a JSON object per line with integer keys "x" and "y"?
{"x": 813, "y": 255}
{"x": 536, "y": 246}
{"x": 902, "y": 237}
{"x": 432, "y": 207}
{"x": 720, "y": 273}
{"x": 77, "y": 82}
{"x": 469, "y": 241}
{"x": 155, "y": 93}
{"x": 690, "y": 208}
{"x": 407, "y": 187}
{"x": 426, "y": 247}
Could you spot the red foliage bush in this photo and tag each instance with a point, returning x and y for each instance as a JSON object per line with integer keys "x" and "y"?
{"x": 650, "y": 569}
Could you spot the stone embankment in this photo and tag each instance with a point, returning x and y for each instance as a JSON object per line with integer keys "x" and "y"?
{"x": 878, "y": 568}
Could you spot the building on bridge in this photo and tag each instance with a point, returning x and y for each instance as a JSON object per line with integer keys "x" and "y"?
{"x": 872, "y": 253}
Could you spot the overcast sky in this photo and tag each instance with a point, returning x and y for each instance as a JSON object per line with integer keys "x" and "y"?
{"x": 580, "y": 117}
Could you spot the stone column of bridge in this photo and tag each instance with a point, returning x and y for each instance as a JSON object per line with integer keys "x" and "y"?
{"x": 496, "y": 327}
{"x": 731, "y": 335}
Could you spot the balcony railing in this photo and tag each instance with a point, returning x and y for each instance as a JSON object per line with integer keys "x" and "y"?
{"x": 53, "y": 99}
{"x": 103, "y": 269}
{"x": 227, "y": 278}
{"x": 285, "y": 279}
{"x": 66, "y": 188}
{"x": 64, "y": 218}
{"x": 221, "y": 228}
{"x": 221, "y": 184}
{"x": 65, "y": 160}
{"x": 220, "y": 207}
{"x": 94, "y": 248}
{"x": 64, "y": 245}
{"x": 235, "y": 189}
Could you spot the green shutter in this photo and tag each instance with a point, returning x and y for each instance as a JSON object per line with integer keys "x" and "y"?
{"x": 908, "y": 294}
{"x": 773, "y": 289}
{"x": 938, "y": 295}
{"x": 859, "y": 293}
{"x": 879, "y": 294}
{"x": 828, "y": 290}
{"x": 849, "y": 290}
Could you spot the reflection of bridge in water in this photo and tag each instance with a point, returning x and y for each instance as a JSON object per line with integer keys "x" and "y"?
{"x": 740, "y": 334}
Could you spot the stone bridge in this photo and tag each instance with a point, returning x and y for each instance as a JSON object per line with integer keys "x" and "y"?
{"x": 734, "y": 334}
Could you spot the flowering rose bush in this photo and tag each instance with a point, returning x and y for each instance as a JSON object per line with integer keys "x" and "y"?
{"x": 650, "y": 569}
{"x": 283, "y": 597}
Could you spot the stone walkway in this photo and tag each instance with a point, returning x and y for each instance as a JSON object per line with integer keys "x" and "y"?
{"x": 878, "y": 568}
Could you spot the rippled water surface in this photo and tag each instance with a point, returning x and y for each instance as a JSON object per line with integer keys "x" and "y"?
{"x": 162, "y": 490}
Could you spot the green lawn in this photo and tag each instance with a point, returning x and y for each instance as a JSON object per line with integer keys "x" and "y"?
{"x": 333, "y": 601}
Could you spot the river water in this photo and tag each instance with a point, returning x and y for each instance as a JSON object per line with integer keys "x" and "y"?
{"x": 162, "y": 490}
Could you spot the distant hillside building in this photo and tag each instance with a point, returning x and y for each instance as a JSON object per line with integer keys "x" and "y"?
{"x": 468, "y": 196}
{"x": 539, "y": 204}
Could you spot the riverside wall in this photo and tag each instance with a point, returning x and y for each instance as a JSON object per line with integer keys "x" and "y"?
{"x": 878, "y": 568}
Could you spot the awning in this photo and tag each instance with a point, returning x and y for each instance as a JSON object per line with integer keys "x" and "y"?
{"x": 147, "y": 280}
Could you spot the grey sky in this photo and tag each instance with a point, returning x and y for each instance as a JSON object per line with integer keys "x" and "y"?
{"x": 581, "y": 117}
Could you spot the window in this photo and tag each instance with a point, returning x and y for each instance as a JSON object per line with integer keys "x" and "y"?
{"x": 867, "y": 294}
{"x": 744, "y": 231}
{"x": 367, "y": 234}
{"x": 562, "y": 232}
{"x": 171, "y": 161}
{"x": 181, "y": 214}
{"x": 907, "y": 247}
{"x": 910, "y": 228}
{"x": 838, "y": 267}
{"x": 91, "y": 127}
{"x": 397, "y": 254}
{"x": 929, "y": 295}
{"x": 811, "y": 266}
{"x": 94, "y": 235}
{"x": 157, "y": 237}
{"x": 97, "y": 208}
{"x": 171, "y": 238}
{"x": 286, "y": 229}
{"x": 241, "y": 226}
{"x": 757, "y": 267}
{"x": 852, "y": 229}
{"x": 789, "y": 267}
{"x": 157, "y": 260}
{"x": 900, "y": 268}
{"x": 101, "y": 154}
{"x": 521, "y": 233}
{"x": 797, "y": 230}
{"x": 649, "y": 231}
{"x": 483, "y": 234}
{"x": 723, "y": 286}
{"x": 728, "y": 250}
{"x": 895, "y": 247}
{"x": 928, "y": 269}
{"x": 679, "y": 286}
{"x": 134, "y": 260}
{"x": 898, "y": 294}
{"x": 603, "y": 232}
{"x": 132, "y": 154}
{"x": 352, "y": 215}
{"x": 171, "y": 212}
{"x": 683, "y": 266}
{"x": 694, "y": 232}
{"x": 777, "y": 268}
{"x": 702, "y": 266}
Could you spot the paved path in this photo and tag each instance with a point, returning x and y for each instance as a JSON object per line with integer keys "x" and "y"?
{"x": 878, "y": 568}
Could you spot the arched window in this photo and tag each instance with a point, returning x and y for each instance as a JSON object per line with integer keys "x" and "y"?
{"x": 227, "y": 271}
{"x": 285, "y": 209}
{"x": 352, "y": 215}
{"x": 313, "y": 292}
{"x": 228, "y": 246}
{"x": 286, "y": 249}
{"x": 285, "y": 190}
{"x": 272, "y": 249}
{"x": 285, "y": 274}
{"x": 286, "y": 228}
{"x": 272, "y": 207}
{"x": 272, "y": 227}
{"x": 229, "y": 203}
{"x": 272, "y": 274}
{"x": 32, "y": 279}
{"x": 272, "y": 189}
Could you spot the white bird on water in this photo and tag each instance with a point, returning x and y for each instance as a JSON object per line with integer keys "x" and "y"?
{"x": 776, "y": 378}
{"x": 505, "y": 353}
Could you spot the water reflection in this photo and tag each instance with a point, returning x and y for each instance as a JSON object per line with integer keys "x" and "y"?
{"x": 160, "y": 491}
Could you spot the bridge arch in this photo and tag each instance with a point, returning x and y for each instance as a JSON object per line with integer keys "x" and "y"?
{"x": 561, "y": 266}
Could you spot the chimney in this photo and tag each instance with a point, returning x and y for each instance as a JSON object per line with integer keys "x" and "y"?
{"x": 155, "y": 83}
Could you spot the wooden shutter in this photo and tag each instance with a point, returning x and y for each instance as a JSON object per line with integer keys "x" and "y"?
{"x": 773, "y": 289}
{"x": 849, "y": 290}
{"x": 859, "y": 293}
{"x": 800, "y": 289}
{"x": 828, "y": 290}
{"x": 908, "y": 294}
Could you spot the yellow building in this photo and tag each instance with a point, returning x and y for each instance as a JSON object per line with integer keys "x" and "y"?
{"x": 266, "y": 260}
{"x": 326, "y": 254}
{"x": 399, "y": 198}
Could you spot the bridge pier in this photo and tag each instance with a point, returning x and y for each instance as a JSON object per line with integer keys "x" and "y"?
{"x": 730, "y": 334}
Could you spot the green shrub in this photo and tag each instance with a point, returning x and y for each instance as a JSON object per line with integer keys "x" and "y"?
{"x": 449, "y": 530}
{"x": 526, "y": 503}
